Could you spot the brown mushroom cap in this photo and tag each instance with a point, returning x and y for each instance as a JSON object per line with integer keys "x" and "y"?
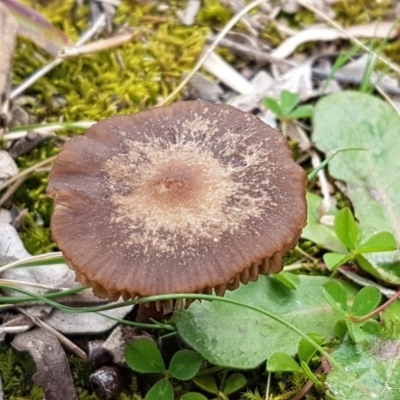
{"x": 185, "y": 198}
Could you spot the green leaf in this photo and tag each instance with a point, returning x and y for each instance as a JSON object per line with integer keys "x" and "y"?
{"x": 185, "y": 364}
{"x": 384, "y": 266}
{"x": 340, "y": 61}
{"x": 330, "y": 396}
{"x": 288, "y": 102}
{"x": 282, "y": 362}
{"x": 306, "y": 349}
{"x": 302, "y": 112}
{"x": 366, "y": 301}
{"x": 321, "y": 234}
{"x": 355, "y": 331}
{"x": 310, "y": 375}
{"x": 143, "y": 355}
{"x": 313, "y": 174}
{"x": 350, "y": 119}
{"x": 375, "y": 362}
{"x": 206, "y": 382}
{"x": 380, "y": 241}
{"x": 234, "y": 383}
{"x": 335, "y": 260}
{"x": 193, "y": 396}
{"x": 336, "y": 295}
{"x": 341, "y": 328}
{"x": 234, "y": 336}
{"x": 366, "y": 265}
{"x": 346, "y": 228}
{"x": 372, "y": 327}
{"x": 287, "y": 279}
{"x": 162, "y": 390}
{"x": 390, "y": 318}
{"x": 273, "y": 105}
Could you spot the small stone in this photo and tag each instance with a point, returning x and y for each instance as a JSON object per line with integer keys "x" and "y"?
{"x": 8, "y": 168}
{"x": 108, "y": 382}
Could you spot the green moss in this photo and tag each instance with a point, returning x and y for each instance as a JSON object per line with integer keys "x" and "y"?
{"x": 16, "y": 370}
{"x": 213, "y": 12}
{"x": 291, "y": 257}
{"x": 122, "y": 80}
{"x": 304, "y": 17}
{"x": 392, "y": 51}
{"x": 272, "y": 34}
{"x": 353, "y": 12}
{"x": 111, "y": 82}
{"x": 31, "y": 195}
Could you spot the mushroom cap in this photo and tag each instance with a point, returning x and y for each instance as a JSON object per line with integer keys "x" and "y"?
{"x": 180, "y": 199}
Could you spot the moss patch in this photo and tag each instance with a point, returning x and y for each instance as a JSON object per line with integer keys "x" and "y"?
{"x": 16, "y": 371}
{"x": 353, "y": 12}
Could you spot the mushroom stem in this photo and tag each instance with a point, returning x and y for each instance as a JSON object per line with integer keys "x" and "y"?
{"x": 147, "y": 312}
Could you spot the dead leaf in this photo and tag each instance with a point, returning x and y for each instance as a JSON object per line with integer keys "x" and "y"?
{"x": 296, "y": 80}
{"x": 56, "y": 276}
{"x": 28, "y": 143}
{"x": 35, "y": 27}
{"x": 324, "y": 33}
{"x": 53, "y": 373}
{"x": 98, "y": 45}
{"x": 188, "y": 16}
{"x": 8, "y": 30}
{"x": 217, "y": 66}
{"x": 201, "y": 87}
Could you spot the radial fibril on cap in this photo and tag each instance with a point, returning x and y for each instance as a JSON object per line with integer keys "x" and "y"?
{"x": 179, "y": 199}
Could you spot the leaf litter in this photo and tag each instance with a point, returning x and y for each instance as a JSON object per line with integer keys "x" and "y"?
{"x": 258, "y": 70}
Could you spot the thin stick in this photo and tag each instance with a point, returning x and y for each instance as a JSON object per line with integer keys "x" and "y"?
{"x": 307, "y": 387}
{"x": 306, "y": 255}
{"x": 65, "y": 341}
{"x": 231, "y": 23}
{"x": 268, "y": 388}
{"x": 352, "y": 38}
{"x": 29, "y": 260}
{"x": 11, "y": 190}
{"x": 324, "y": 184}
{"x": 47, "y": 68}
{"x": 26, "y": 172}
{"x": 13, "y": 282}
{"x": 316, "y": 162}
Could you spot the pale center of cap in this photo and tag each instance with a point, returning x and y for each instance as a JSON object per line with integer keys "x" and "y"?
{"x": 180, "y": 191}
{"x": 175, "y": 184}
{"x": 169, "y": 194}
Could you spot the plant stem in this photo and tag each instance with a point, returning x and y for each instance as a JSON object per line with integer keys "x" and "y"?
{"x": 207, "y": 297}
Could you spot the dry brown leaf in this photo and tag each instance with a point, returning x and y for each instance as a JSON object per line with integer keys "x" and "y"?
{"x": 324, "y": 33}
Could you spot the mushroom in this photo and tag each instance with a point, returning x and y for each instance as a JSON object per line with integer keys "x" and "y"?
{"x": 191, "y": 198}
